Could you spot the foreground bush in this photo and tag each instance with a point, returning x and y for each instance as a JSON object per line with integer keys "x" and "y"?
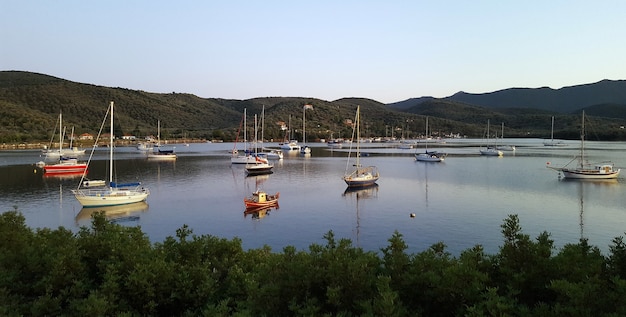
{"x": 108, "y": 269}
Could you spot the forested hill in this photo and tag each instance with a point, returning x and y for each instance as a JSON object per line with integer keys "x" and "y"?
{"x": 30, "y": 104}
{"x": 566, "y": 100}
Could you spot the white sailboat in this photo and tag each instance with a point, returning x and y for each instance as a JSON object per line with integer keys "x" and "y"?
{"x": 585, "y": 170}
{"x": 359, "y": 176}
{"x": 159, "y": 153}
{"x": 269, "y": 154}
{"x": 67, "y": 164}
{"x": 552, "y": 142}
{"x": 246, "y": 157}
{"x": 113, "y": 194}
{"x": 258, "y": 167}
{"x": 490, "y": 150}
{"x": 505, "y": 147}
{"x": 289, "y": 145}
{"x": 429, "y": 156}
{"x": 305, "y": 149}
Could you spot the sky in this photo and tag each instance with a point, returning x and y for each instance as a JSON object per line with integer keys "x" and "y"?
{"x": 388, "y": 51}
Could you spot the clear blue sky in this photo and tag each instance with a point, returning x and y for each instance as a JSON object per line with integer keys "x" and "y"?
{"x": 384, "y": 50}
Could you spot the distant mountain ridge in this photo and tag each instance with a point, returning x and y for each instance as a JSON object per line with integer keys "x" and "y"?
{"x": 564, "y": 100}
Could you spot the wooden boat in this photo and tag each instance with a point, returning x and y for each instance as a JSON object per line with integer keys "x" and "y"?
{"x": 260, "y": 199}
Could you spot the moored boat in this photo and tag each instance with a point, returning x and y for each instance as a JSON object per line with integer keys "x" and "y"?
{"x": 260, "y": 199}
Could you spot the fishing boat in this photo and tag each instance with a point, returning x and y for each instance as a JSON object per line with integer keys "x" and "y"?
{"x": 359, "y": 176}
{"x": 490, "y": 150}
{"x": 115, "y": 193}
{"x": 429, "y": 156}
{"x": 584, "y": 169}
{"x": 159, "y": 153}
{"x": 260, "y": 199}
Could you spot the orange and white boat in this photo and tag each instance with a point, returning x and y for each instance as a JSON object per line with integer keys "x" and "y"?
{"x": 260, "y": 198}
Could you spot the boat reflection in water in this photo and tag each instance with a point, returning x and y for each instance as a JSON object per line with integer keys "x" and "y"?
{"x": 119, "y": 213}
{"x": 368, "y": 192}
{"x": 258, "y": 213}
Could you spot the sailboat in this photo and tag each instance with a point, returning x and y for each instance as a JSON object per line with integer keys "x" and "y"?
{"x": 113, "y": 194}
{"x": 430, "y": 156}
{"x": 584, "y": 169}
{"x": 552, "y": 142}
{"x": 66, "y": 164}
{"x": 158, "y": 153}
{"x": 289, "y": 145}
{"x": 490, "y": 150}
{"x": 270, "y": 154}
{"x": 359, "y": 176}
{"x": 305, "y": 149}
{"x": 247, "y": 157}
{"x": 258, "y": 167}
{"x": 504, "y": 147}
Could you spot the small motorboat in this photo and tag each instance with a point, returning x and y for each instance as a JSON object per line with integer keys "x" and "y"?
{"x": 260, "y": 198}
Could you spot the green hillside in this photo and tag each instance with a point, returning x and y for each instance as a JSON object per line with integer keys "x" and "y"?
{"x": 30, "y": 104}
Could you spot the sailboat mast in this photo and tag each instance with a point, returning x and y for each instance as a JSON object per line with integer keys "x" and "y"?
{"x": 358, "y": 136}
{"x": 582, "y": 141}
{"x": 111, "y": 148}
{"x": 552, "y": 130}
{"x": 60, "y": 133}
{"x": 262, "y": 123}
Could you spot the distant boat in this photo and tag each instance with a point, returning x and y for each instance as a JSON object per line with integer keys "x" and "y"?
{"x": 305, "y": 149}
{"x": 553, "y": 142}
{"x": 504, "y": 147}
{"x": 66, "y": 164}
{"x": 72, "y": 151}
{"x": 490, "y": 150}
{"x": 260, "y": 199}
{"x": 430, "y": 156}
{"x": 289, "y": 145}
{"x": 585, "y": 170}
{"x": 115, "y": 193}
{"x": 145, "y": 146}
{"x": 259, "y": 166}
{"x": 159, "y": 154}
{"x": 359, "y": 176}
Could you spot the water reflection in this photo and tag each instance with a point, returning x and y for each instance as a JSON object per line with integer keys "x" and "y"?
{"x": 121, "y": 213}
{"x": 258, "y": 213}
{"x": 369, "y": 192}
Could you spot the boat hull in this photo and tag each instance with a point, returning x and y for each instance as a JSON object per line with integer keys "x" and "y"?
{"x": 110, "y": 197}
{"x": 430, "y": 157}
{"x": 589, "y": 174}
{"x": 65, "y": 168}
{"x": 253, "y": 202}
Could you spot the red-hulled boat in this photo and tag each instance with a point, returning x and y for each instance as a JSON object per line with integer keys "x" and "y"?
{"x": 260, "y": 198}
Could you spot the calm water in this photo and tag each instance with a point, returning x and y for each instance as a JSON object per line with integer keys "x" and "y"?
{"x": 461, "y": 202}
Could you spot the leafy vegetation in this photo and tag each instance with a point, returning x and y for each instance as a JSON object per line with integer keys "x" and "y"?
{"x": 108, "y": 269}
{"x": 30, "y": 104}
